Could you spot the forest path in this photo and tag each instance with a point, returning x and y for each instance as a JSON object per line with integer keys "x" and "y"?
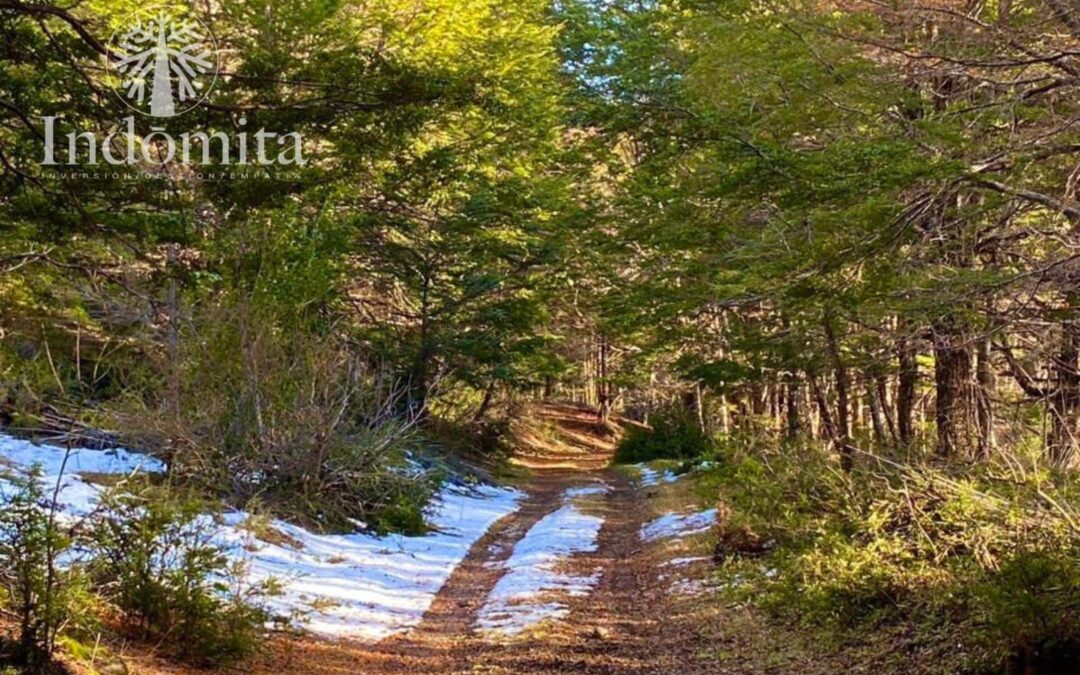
{"x": 618, "y": 627}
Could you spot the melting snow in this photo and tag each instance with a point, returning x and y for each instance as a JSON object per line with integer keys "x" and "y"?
{"x": 352, "y": 585}
{"x": 588, "y": 490}
{"x": 678, "y": 525}
{"x": 688, "y": 587}
{"x": 680, "y": 562}
{"x": 523, "y": 596}
{"x": 360, "y": 585}
{"x": 650, "y": 477}
{"x": 77, "y": 497}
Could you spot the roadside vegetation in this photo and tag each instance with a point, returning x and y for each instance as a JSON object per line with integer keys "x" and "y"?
{"x": 973, "y": 569}
{"x": 142, "y": 564}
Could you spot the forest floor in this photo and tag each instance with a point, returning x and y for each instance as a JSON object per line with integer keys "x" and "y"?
{"x": 648, "y": 609}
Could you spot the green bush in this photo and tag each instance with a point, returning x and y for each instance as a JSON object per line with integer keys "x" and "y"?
{"x": 42, "y": 596}
{"x": 1032, "y": 604}
{"x": 155, "y": 558}
{"x": 675, "y": 434}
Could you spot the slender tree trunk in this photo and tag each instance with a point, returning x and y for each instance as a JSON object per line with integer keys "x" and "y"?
{"x": 882, "y": 387}
{"x": 603, "y": 386}
{"x": 876, "y": 418}
{"x": 954, "y": 415}
{"x": 699, "y": 408}
{"x": 908, "y": 379}
{"x": 415, "y": 406}
{"x": 172, "y": 302}
{"x": 791, "y": 391}
{"x": 757, "y": 396}
{"x": 485, "y": 404}
{"x": 984, "y": 397}
{"x": 828, "y": 427}
{"x": 843, "y": 430}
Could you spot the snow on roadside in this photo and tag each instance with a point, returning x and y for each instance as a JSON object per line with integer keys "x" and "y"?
{"x": 352, "y": 585}
{"x": 650, "y": 477}
{"x": 682, "y": 562}
{"x": 597, "y": 488}
{"x": 678, "y": 525}
{"x": 528, "y": 593}
{"x": 77, "y": 497}
{"x": 368, "y": 587}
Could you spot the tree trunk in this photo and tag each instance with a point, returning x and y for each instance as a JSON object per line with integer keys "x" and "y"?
{"x": 485, "y": 404}
{"x": 828, "y": 427}
{"x": 882, "y": 386}
{"x": 984, "y": 397}
{"x": 876, "y": 418}
{"x": 757, "y": 395}
{"x": 172, "y": 302}
{"x": 954, "y": 414}
{"x": 908, "y": 379}
{"x": 843, "y": 430}
{"x": 791, "y": 405}
{"x": 603, "y": 386}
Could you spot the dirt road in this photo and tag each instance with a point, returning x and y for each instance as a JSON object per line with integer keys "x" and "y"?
{"x": 622, "y": 626}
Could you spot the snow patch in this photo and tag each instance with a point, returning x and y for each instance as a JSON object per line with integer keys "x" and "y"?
{"x": 681, "y": 562}
{"x": 650, "y": 477}
{"x": 688, "y": 587}
{"x": 678, "y": 525}
{"x": 527, "y": 594}
{"x": 588, "y": 490}
{"x": 77, "y": 497}
{"x": 363, "y": 586}
{"x": 352, "y": 585}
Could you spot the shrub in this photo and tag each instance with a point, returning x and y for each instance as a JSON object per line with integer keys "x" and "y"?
{"x": 42, "y": 596}
{"x": 675, "y": 434}
{"x": 1032, "y": 605}
{"x": 296, "y": 420}
{"x": 156, "y": 559}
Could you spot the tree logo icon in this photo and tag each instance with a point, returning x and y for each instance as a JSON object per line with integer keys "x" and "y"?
{"x": 165, "y": 65}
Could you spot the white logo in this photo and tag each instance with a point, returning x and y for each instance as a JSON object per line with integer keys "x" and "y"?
{"x": 166, "y": 65}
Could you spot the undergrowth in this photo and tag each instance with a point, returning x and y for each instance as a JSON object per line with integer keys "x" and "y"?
{"x": 264, "y": 410}
{"x": 981, "y": 563}
{"x": 143, "y": 562}
{"x": 674, "y": 434}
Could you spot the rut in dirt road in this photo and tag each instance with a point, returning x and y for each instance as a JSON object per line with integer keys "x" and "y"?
{"x": 611, "y": 628}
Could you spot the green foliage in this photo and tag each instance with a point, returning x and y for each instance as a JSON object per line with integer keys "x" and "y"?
{"x": 155, "y": 558}
{"x": 1030, "y": 603}
{"x": 674, "y": 434}
{"x": 41, "y": 595}
{"x": 984, "y": 559}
